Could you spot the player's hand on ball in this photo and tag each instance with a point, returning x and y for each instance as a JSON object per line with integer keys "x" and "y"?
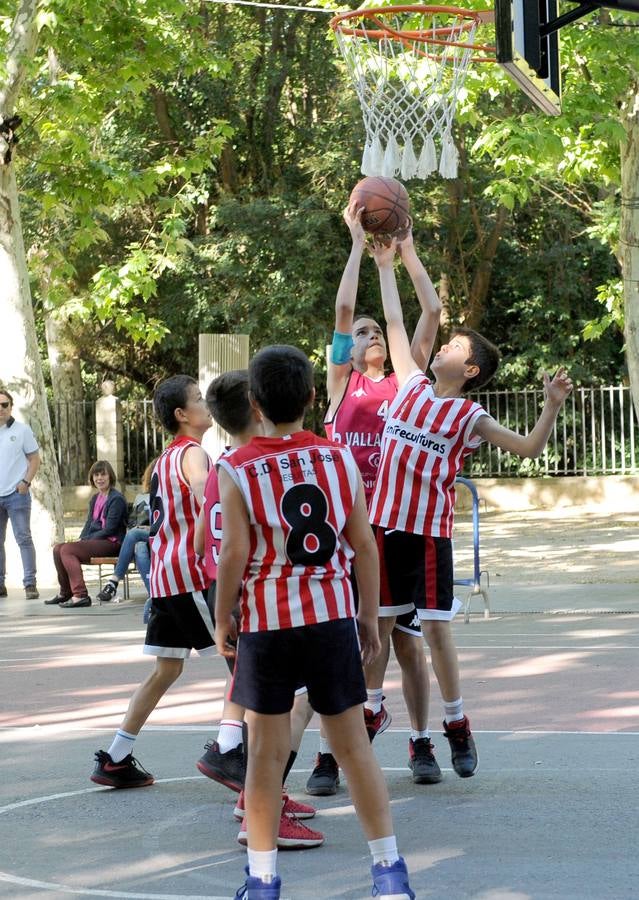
{"x": 369, "y": 641}
{"x": 225, "y": 637}
{"x": 384, "y": 254}
{"x": 559, "y": 388}
{"x": 353, "y": 218}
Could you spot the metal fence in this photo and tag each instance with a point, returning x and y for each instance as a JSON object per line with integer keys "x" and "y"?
{"x": 596, "y": 433}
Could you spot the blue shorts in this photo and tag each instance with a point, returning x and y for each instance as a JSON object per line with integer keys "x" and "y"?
{"x": 270, "y": 666}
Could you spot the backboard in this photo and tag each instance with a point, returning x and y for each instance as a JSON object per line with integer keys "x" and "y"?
{"x": 531, "y": 61}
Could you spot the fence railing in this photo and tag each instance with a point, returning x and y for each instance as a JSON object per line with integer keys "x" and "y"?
{"x": 596, "y": 433}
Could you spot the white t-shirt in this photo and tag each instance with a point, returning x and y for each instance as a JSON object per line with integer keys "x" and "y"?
{"x": 16, "y": 440}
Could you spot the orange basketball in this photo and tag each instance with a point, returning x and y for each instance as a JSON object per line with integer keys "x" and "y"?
{"x": 385, "y": 201}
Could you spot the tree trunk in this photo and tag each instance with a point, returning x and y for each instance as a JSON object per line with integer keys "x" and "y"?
{"x": 483, "y": 272}
{"x": 629, "y": 237}
{"x": 20, "y": 367}
{"x": 68, "y": 396}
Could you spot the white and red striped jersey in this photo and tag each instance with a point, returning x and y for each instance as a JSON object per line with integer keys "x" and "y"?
{"x": 175, "y": 566}
{"x": 299, "y": 490}
{"x": 425, "y": 442}
{"x": 212, "y": 522}
{"x": 359, "y": 420}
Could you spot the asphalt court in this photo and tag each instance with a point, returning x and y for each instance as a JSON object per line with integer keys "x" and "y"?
{"x": 551, "y": 813}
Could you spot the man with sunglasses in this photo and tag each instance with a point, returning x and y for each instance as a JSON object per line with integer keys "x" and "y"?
{"x": 19, "y": 462}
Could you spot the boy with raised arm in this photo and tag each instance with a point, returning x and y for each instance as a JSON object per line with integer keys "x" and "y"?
{"x": 430, "y": 430}
{"x": 294, "y": 504}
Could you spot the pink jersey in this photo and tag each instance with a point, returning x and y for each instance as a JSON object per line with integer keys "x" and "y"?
{"x": 426, "y": 440}
{"x": 299, "y": 491}
{"x": 212, "y": 521}
{"x": 359, "y": 421}
{"x": 175, "y": 566}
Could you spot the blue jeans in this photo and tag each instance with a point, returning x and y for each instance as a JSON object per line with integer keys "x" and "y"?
{"x": 129, "y": 549}
{"x": 16, "y": 508}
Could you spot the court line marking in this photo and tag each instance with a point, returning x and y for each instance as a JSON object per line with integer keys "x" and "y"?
{"x": 100, "y": 892}
{"x": 204, "y": 729}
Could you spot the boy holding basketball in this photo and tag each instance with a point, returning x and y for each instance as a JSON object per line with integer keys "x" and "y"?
{"x": 294, "y": 504}
{"x": 430, "y": 430}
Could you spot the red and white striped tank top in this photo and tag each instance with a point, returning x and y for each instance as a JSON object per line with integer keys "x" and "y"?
{"x": 359, "y": 420}
{"x": 425, "y": 442}
{"x": 212, "y": 522}
{"x": 299, "y": 491}
{"x": 175, "y": 566}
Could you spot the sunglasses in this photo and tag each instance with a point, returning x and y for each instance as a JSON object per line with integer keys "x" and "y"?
{"x": 5, "y": 404}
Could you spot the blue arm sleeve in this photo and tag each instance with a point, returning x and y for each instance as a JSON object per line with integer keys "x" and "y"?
{"x": 341, "y": 348}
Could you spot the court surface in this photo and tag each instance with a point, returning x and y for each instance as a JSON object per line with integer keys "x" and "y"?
{"x": 550, "y": 683}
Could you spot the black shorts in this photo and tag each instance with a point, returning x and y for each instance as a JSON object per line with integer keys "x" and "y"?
{"x": 178, "y": 625}
{"x": 271, "y": 665}
{"x": 416, "y": 570}
{"x": 407, "y": 621}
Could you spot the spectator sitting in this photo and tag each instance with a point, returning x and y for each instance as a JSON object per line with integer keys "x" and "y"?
{"x": 135, "y": 544}
{"x": 102, "y": 535}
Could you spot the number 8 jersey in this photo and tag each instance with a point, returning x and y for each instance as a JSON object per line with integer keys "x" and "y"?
{"x": 299, "y": 490}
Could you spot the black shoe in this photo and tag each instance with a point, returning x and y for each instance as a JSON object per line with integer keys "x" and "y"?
{"x": 3, "y": 591}
{"x": 324, "y": 777}
{"x": 75, "y": 604}
{"x": 107, "y": 593}
{"x": 31, "y": 592}
{"x": 226, "y": 768}
{"x": 422, "y": 761}
{"x": 462, "y": 747}
{"x": 127, "y": 773}
{"x": 56, "y": 600}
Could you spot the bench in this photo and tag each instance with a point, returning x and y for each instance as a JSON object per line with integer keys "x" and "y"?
{"x": 100, "y": 561}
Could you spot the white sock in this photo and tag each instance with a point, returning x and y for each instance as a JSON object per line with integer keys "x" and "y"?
{"x": 384, "y": 850}
{"x": 114, "y": 580}
{"x": 416, "y": 735}
{"x": 230, "y": 735}
{"x": 262, "y": 864}
{"x": 374, "y": 700}
{"x": 324, "y": 746}
{"x": 453, "y": 710}
{"x": 122, "y": 745}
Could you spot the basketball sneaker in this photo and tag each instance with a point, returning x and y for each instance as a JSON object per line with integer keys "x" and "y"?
{"x": 290, "y": 808}
{"x": 421, "y": 760}
{"x": 226, "y": 768}
{"x": 259, "y": 889}
{"x": 291, "y": 835}
{"x": 127, "y": 773}
{"x": 391, "y": 882}
{"x": 376, "y": 723}
{"x": 462, "y": 747}
{"x": 324, "y": 778}
{"x": 108, "y": 592}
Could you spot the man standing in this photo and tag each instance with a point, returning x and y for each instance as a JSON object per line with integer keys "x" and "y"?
{"x": 19, "y": 462}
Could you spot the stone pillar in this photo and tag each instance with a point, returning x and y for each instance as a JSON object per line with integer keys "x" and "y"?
{"x": 109, "y": 435}
{"x": 218, "y": 353}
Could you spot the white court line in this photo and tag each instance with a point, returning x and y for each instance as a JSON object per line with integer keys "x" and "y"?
{"x": 98, "y": 892}
{"x": 204, "y": 729}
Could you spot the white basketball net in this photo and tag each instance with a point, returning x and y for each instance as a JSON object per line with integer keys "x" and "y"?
{"x": 408, "y": 87}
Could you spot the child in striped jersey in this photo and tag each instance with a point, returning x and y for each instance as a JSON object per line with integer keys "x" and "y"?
{"x": 224, "y": 759}
{"x": 431, "y": 428}
{"x": 180, "y": 620}
{"x": 294, "y": 505}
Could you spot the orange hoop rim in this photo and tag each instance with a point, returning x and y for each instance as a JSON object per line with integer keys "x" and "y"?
{"x": 473, "y": 17}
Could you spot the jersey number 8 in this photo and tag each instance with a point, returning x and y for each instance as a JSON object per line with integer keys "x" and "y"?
{"x": 312, "y": 540}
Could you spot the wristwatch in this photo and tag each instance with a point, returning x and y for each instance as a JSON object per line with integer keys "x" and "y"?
{"x": 24, "y": 481}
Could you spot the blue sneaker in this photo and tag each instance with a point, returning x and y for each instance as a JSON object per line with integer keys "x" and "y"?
{"x": 256, "y": 889}
{"x": 391, "y": 882}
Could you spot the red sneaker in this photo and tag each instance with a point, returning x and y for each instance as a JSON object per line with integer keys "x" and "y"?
{"x": 292, "y": 835}
{"x": 289, "y": 808}
{"x": 376, "y": 722}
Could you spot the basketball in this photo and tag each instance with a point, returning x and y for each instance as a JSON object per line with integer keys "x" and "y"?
{"x": 385, "y": 201}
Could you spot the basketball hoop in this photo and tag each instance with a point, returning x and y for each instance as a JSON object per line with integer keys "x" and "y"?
{"x": 408, "y": 65}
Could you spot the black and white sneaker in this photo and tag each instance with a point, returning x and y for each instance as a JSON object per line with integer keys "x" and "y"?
{"x": 127, "y": 773}
{"x": 421, "y": 760}
{"x": 227, "y": 768}
{"x": 108, "y": 592}
{"x": 324, "y": 777}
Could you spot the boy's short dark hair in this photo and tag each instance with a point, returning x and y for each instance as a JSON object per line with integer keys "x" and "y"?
{"x": 228, "y": 402}
{"x": 281, "y": 381}
{"x": 483, "y": 354}
{"x": 169, "y": 395}
{"x": 102, "y": 467}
